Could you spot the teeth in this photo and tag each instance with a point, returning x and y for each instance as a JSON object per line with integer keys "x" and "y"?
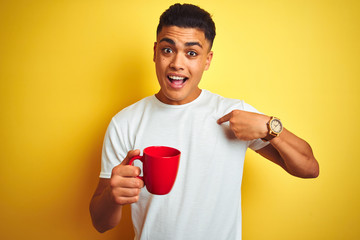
{"x": 176, "y": 78}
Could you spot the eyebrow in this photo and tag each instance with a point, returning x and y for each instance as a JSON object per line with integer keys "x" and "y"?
{"x": 188, "y": 44}
{"x": 168, "y": 40}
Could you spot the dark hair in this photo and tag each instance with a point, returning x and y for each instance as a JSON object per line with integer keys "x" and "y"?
{"x": 188, "y": 16}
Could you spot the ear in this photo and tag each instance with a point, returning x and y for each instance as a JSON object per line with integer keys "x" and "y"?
{"x": 208, "y": 59}
{"x": 155, "y": 44}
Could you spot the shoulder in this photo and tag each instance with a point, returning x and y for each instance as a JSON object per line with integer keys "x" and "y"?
{"x": 126, "y": 121}
{"x": 225, "y": 104}
{"x": 133, "y": 111}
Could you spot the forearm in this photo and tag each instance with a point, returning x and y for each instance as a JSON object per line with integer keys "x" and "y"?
{"x": 105, "y": 213}
{"x": 296, "y": 154}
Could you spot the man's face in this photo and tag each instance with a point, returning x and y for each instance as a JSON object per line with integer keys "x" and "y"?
{"x": 181, "y": 55}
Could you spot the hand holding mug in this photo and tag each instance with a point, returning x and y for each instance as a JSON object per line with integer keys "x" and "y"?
{"x": 124, "y": 185}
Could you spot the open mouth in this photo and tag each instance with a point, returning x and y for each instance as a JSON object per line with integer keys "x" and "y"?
{"x": 177, "y": 81}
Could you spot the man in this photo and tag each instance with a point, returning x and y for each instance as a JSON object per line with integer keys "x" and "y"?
{"x": 211, "y": 132}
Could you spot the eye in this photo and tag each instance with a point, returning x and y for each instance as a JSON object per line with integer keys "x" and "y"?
{"x": 167, "y": 50}
{"x": 192, "y": 54}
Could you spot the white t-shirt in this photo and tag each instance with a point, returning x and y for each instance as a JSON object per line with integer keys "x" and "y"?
{"x": 205, "y": 201}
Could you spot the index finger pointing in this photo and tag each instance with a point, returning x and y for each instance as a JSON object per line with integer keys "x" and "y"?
{"x": 225, "y": 118}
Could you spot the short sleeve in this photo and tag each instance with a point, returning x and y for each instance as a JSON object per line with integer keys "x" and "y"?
{"x": 113, "y": 151}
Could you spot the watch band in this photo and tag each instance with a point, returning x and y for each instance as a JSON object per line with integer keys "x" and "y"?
{"x": 268, "y": 137}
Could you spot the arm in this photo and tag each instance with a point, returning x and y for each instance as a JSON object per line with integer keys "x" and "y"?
{"x": 287, "y": 150}
{"x": 111, "y": 194}
{"x": 293, "y": 154}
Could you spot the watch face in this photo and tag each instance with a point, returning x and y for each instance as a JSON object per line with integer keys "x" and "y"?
{"x": 276, "y": 125}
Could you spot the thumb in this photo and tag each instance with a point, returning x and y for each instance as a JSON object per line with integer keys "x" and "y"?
{"x": 130, "y": 155}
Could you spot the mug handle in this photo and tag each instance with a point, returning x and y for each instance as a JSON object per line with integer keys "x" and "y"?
{"x": 136, "y": 158}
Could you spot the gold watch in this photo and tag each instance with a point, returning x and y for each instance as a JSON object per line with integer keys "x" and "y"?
{"x": 274, "y": 128}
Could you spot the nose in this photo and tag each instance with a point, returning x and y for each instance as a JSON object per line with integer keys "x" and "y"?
{"x": 177, "y": 62}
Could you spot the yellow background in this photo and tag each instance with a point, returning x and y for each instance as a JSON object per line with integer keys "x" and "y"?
{"x": 66, "y": 67}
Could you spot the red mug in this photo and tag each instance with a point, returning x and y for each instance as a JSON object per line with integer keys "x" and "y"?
{"x": 160, "y": 167}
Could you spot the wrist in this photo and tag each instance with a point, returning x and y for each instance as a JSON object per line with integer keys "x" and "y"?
{"x": 274, "y": 128}
{"x": 110, "y": 197}
{"x": 265, "y": 129}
